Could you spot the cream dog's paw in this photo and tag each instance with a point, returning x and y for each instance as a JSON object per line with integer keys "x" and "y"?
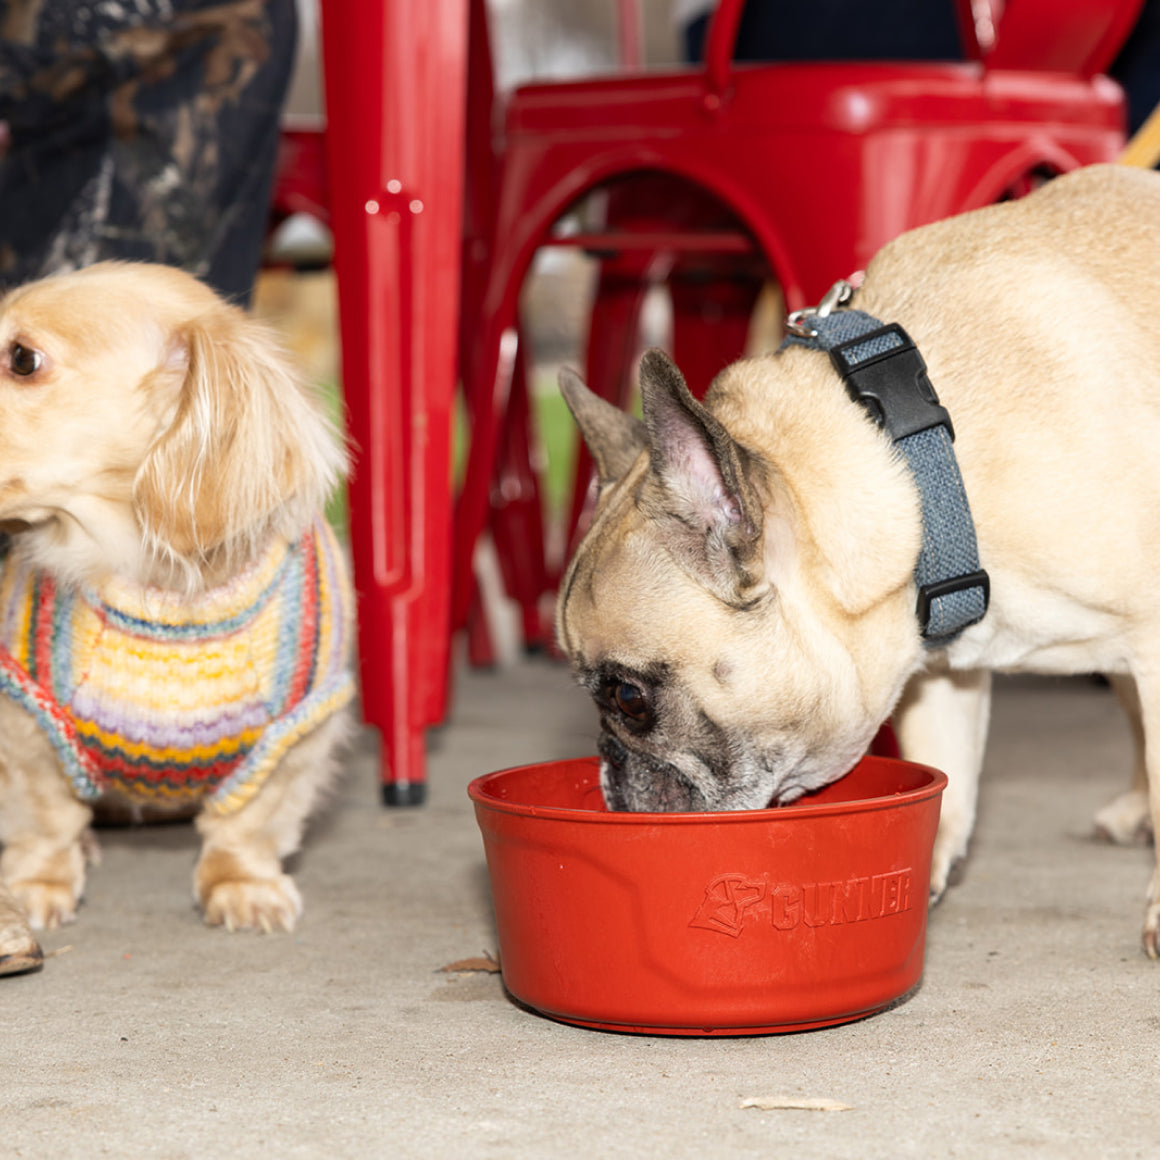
{"x": 47, "y": 903}
{"x": 20, "y": 958}
{"x": 242, "y": 890}
{"x": 1126, "y": 820}
{"x": 263, "y": 904}
{"x": 46, "y": 883}
{"x": 19, "y": 950}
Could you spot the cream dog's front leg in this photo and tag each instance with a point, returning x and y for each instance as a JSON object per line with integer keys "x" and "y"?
{"x": 942, "y": 721}
{"x": 43, "y": 828}
{"x": 238, "y": 881}
{"x": 19, "y": 950}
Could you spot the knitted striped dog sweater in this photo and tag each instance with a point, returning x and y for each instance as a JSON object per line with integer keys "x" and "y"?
{"x": 169, "y": 701}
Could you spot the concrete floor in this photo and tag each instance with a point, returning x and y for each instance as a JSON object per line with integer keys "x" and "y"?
{"x": 1034, "y": 1032}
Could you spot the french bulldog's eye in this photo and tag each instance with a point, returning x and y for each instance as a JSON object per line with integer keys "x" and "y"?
{"x": 24, "y": 360}
{"x": 630, "y": 701}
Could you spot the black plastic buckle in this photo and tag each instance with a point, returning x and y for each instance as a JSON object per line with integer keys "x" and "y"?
{"x": 928, "y": 593}
{"x": 892, "y": 386}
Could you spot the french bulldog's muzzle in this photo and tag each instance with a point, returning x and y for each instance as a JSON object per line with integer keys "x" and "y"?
{"x": 640, "y": 783}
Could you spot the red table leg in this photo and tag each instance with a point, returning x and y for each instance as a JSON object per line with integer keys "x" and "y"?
{"x": 395, "y": 76}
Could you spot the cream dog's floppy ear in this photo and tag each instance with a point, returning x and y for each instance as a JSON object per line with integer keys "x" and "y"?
{"x": 248, "y": 450}
{"x": 702, "y": 485}
{"x": 614, "y": 437}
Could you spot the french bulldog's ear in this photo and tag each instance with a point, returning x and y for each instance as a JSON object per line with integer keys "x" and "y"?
{"x": 705, "y": 489}
{"x": 614, "y": 437}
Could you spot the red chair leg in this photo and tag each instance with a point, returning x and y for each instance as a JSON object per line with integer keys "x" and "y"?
{"x": 613, "y": 337}
{"x": 517, "y": 527}
{"x": 487, "y": 386}
{"x": 711, "y": 317}
{"x": 517, "y": 511}
{"x": 395, "y": 152}
{"x": 480, "y": 646}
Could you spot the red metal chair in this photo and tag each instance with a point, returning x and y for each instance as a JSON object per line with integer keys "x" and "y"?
{"x": 798, "y": 172}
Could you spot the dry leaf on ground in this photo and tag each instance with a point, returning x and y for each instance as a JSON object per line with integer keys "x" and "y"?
{"x": 486, "y": 964}
{"x": 795, "y": 1103}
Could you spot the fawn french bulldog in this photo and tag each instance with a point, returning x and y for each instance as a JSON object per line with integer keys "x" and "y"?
{"x": 745, "y": 607}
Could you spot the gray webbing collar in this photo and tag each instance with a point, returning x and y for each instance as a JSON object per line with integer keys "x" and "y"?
{"x": 884, "y": 372}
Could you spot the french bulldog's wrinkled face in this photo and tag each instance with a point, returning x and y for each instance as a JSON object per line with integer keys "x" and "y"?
{"x": 712, "y": 694}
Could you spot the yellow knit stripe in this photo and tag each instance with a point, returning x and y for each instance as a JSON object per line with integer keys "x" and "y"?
{"x": 194, "y": 755}
{"x": 10, "y": 577}
{"x": 169, "y": 678}
{"x": 154, "y": 792}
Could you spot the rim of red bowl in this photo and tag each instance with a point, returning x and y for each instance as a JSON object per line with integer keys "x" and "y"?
{"x": 799, "y": 809}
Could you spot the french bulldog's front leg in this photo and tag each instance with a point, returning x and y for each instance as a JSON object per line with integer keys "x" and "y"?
{"x": 43, "y": 828}
{"x": 1148, "y": 688}
{"x": 942, "y": 721}
{"x": 238, "y": 881}
{"x": 1127, "y": 818}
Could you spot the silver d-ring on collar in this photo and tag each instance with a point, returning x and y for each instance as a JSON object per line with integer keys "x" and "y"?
{"x": 838, "y": 295}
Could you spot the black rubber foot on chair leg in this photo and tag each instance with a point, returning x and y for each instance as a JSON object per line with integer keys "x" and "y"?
{"x": 406, "y": 793}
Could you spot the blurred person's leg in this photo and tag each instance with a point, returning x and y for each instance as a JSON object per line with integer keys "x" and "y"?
{"x": 145, "y": 132}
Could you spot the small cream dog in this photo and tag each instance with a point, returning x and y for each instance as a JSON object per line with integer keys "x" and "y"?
{"x": 175, "y": 616}
{"x": 743, "y": 607}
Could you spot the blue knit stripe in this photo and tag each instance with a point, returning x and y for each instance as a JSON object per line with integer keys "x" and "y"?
{"x": 184, "y": 629}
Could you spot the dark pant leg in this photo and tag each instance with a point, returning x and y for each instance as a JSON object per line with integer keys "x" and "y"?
{"x": 148, "y": 136}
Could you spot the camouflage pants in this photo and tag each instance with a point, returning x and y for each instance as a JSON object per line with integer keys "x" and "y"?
{"x": 141, "y": 130}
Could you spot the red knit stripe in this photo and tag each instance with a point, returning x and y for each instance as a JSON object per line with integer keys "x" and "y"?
{"x": 196, "y": 778}
{"x": 46, "y": 704}
{"x": 44, "y": 612}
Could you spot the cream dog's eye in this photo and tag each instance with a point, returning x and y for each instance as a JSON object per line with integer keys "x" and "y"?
{"x": 24, "y": 360}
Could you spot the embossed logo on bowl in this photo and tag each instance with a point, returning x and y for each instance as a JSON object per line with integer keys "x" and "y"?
{"x": 734, "y": 901}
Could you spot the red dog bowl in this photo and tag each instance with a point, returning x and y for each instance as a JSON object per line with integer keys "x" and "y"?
{"x": 742, "y": 923}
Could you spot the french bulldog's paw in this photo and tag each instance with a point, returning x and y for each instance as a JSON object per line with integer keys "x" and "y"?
{"x": 262, "y": 904}
{"x": 1125, "y": 821}
{"x": 953, "y": 877}
{"x": 947, "y": 865}
{"x": 47, "y": 904}
{"x": 1151, "y": 936}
